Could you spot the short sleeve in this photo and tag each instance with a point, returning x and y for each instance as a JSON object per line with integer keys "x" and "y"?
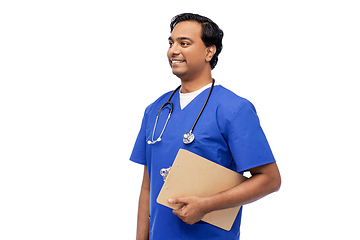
{"x": 138, "y": 154}
{"x": 246, "y": 139}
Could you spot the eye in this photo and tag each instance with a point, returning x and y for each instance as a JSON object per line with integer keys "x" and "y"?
{"x": 170, "y": 44}
{"x": 185, "y": 44}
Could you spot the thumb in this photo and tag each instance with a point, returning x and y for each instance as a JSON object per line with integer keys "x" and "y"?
{"x": 177, "y": 200}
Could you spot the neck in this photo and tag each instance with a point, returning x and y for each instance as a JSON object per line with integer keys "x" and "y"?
{"x": 188, "y": 86}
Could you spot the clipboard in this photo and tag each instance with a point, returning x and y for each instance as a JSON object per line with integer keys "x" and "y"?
{"x": 193, "y": 175}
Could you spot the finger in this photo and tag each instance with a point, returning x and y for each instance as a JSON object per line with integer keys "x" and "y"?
{"x": 178, "y": 213}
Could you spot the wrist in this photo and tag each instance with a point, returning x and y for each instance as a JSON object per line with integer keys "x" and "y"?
{"x": 207, "y": 205}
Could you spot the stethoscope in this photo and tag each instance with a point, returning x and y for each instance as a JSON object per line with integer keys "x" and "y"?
{"x": 187, "y": 137}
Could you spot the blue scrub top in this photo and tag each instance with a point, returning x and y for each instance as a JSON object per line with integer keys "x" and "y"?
{"x": 228, "y": 133}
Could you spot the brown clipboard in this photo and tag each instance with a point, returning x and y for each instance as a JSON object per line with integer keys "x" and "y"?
{"x": 193, "y": 175}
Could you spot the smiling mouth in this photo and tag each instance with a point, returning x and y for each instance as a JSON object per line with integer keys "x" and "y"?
{"x": 176, "y": 61}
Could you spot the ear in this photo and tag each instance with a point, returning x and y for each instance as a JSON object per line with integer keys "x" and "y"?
{"x": 210, "y": 52}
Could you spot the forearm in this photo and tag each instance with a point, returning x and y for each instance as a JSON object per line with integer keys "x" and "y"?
{"x": 265, "y": 180}
{"x": 143, "y": 224}
{"x": 256, "y": 187}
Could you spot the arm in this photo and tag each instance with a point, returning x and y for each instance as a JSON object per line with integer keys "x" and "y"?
{"x": 265, "y": 180}
{"x": 143, "y": 224}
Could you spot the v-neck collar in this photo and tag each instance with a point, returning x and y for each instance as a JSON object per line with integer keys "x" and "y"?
{"x": 176, "y": 101}
{"x": 187, "y": 98}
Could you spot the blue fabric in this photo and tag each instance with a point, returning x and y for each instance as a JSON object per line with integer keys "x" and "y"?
{"x": 228, "y": 133}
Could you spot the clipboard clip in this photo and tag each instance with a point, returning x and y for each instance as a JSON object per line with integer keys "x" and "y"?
{"x": 165, "y": 172}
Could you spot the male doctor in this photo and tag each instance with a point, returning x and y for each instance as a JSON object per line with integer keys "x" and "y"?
{"x": 227, "y": 132}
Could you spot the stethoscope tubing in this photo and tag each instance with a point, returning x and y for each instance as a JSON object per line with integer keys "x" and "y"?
{"x": 189, "y": 134}
{"x": 203, "y": 107}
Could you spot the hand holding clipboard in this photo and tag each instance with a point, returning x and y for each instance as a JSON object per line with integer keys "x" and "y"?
{"x": 192, "y": 175}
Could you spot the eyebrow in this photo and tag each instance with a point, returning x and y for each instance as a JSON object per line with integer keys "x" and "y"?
{"x": 182, "y": 38}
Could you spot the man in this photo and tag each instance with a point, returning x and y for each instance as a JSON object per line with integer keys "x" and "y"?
{"x": 227, "y": 132}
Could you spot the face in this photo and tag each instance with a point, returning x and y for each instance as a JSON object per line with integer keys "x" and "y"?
{"x": 188, "y": 56}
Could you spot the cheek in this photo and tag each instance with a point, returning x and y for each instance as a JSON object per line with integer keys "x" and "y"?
{"x": 195, "y": 55}
{"x": 168, "y": 56}
{"x": 195, "y": 59}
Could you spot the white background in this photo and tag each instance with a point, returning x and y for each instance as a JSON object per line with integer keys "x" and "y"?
{"x": 76, "y": 77}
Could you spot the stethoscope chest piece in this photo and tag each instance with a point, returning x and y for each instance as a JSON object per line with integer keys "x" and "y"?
{"x": 188, "y": 138}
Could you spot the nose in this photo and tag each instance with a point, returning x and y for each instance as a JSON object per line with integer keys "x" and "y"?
{"x": 174, "y": 50}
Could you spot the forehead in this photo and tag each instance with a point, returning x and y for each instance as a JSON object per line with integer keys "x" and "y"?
{"x": 190, "y": 29}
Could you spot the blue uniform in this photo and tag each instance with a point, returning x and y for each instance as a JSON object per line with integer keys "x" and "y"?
{"x": 228, "y": 133}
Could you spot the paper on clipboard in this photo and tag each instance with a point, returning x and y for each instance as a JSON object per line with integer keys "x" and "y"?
{"x": 192, "y": 175}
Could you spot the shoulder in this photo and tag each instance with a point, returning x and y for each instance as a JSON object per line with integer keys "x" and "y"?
{"x": 158, "y": 102}
{"x": 229, "y": 102}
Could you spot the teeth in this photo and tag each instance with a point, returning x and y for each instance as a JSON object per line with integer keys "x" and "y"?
{"x": 177, "y": 61}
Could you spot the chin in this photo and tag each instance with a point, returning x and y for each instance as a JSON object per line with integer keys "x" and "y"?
{"x": 178, "y": 73}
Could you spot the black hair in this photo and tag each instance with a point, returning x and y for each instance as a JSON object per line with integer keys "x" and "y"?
{"x": 211, "y": 33}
